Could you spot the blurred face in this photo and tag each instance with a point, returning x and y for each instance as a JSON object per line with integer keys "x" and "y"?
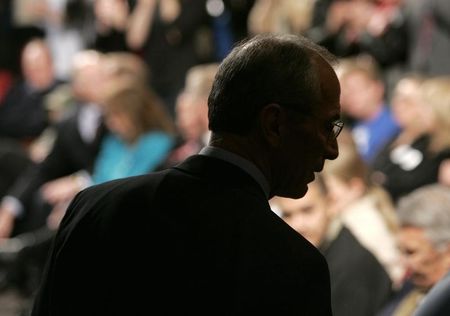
{"x": 308, "y": 142}
{"x": 121, "y": 124}
{"x": 406, "y": 105}
{"x": 341, "y": 193}
{"x": 107, "y": 10}
{"x": 37, "y": 65}
{"x": 307, "y": 215}
{"x": 360, "y": 95}
{"x": 191, "y": 116}
{"x": 426, "y": 264}
{"x": 90, "y": 79}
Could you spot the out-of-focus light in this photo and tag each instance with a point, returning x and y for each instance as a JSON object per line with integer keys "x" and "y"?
{"x": 215, "y": 8}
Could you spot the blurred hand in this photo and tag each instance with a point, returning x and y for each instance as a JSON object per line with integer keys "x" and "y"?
{"x": 60, "y": 190}
{"x": 7, "y": 220}
{"x": 56, "y": 215}
{"x": 169, "y": 10}
{"x": 444, "y": 173}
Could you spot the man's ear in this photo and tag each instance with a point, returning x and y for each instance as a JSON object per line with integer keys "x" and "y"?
{"x": 270, "y": 120}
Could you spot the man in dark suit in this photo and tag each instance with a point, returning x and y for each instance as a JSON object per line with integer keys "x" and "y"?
{"x": 74, "y": 149}
{"x": 200, "y": 238}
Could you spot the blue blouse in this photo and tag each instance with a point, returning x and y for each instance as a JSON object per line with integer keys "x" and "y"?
{"x": 118, "y": 159}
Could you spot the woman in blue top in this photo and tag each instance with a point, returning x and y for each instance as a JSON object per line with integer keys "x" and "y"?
{"x": 142, "y": 133}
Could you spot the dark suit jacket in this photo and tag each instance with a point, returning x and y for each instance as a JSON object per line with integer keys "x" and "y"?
{"x": 197, "y": 239}
{"x": 22, "y": 112}
{"x": 69, "y": 154}
{"x": 360, "y": 285}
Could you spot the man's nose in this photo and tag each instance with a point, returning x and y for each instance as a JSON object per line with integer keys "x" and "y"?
{"x": 331, "y": 149}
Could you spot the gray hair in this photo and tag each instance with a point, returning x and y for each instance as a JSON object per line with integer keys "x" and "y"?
{"x": 428, "y": 208}
{"x": 268, "y": 68}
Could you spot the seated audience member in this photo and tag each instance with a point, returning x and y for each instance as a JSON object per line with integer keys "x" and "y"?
{"x": 419, "y": 155}
{"x": 365, "y": 208}
{"x": 191, "y": 113}
{"x": 73, "y": 150}
{"x": 359, "y": 283}
{"x": 363, "y": 104}
{"x": 24, "y": 220}
{"x": 23, "y": 115}
{"x": 141, "y": 133}
{"x": 63, "y": 172}
{"x": 424, "y": 240}
{"x": 35, "y": 204}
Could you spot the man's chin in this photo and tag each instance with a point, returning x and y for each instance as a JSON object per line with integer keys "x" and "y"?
{"x": 297, "y": 194}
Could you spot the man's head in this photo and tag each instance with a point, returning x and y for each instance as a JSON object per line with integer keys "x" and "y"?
{"x": 424, "y": 236}
{"x": 275, "y": 100}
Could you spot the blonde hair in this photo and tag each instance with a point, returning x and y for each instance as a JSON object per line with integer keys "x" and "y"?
{"x": 140, "y": 103}
{"x": 200, "y": 78}
{"x": 350, "y": 165}
{"x": 364, "y": 64}
{"x": 280, "y": 16}
{"x": 436, "y": 94}
{"x": 127, "y": 64}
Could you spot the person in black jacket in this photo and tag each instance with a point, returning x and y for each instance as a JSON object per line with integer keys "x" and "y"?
{"x": 200, "y": 238}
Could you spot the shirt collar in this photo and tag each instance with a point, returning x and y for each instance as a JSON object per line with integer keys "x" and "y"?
{"x": 240, "y": 162}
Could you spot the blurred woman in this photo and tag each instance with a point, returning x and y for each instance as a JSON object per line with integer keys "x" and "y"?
{"x": 141, "y": 133}
{"x": 366, "y": 209}
{"x": 414, "y": 158}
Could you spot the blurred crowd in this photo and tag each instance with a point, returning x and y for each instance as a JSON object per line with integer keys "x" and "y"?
{"x": 96, "y": 90}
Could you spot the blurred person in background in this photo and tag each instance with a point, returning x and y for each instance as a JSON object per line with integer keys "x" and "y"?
{"x": 166, "y": 33}
{"x": 23, "y": 115}
{"x": 140, "y": 135}
{"x": 229, "y": 24}
{"x": 68, "y": 27}
{"x": 354, "y": 27}
{"x": 141, "y": 132}
{"x": 365, "y": 208}
{"x": 73, "y": 149}
{"x": 192, "y": 114}
{"x": 359, "y": 283}
{"x": 111, "y": 19}
{"x": 424, "y": 241}
{"x": 31, "y": 211}
{"x": 428, "y": 32}
{"x": 23, "y": 111}
{"x": 364, "y": 105}
{"x": 418, "y": 156}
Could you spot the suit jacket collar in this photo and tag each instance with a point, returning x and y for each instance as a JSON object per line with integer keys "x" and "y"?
{"x": 220, "y": 171}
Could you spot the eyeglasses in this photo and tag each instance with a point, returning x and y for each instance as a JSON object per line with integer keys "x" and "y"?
{"x": 338, "y": 125}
